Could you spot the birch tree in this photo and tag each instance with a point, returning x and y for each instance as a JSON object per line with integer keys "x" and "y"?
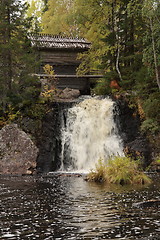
{"x": 151, "y": 13}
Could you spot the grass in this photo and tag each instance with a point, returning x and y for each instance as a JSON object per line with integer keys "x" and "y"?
{"x": 119, "y": 170}
{"x": 158, "y": 159}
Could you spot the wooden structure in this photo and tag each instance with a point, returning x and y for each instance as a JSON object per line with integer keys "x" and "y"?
{"x": 61, "y": 53}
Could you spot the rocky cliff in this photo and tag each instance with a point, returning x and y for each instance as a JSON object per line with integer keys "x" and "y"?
{"x": 136, "y": 144}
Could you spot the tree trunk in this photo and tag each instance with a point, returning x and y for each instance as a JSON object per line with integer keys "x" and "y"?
{"x": 154, "y": 54}
{"x": 117, "y": 43}
{"x": 8, "y": 56}
{"x": 115, "y": 29}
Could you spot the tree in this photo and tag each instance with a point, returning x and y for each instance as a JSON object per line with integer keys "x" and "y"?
{"x": 92, "y": 18}
{"x": 117, "y": 30}
{"x": 125, "y": 44}
{"x": 17, "y": 86}
{"x": 35, "y": 11}
{"x": 151, "y": 14}
{"x": 56, "y": 19}
{"x": 45, "y": 5}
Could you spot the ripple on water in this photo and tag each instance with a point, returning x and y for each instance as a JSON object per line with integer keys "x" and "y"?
{"x": 70, "y": 208}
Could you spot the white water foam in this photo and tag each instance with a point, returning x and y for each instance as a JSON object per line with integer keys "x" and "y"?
{"x": 90, "y": 134}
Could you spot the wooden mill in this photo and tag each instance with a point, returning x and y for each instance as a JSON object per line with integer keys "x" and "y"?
{"x": 61, "y": 53}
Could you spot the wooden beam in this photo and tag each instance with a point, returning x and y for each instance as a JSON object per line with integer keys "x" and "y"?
{"x": 69, "y": 76}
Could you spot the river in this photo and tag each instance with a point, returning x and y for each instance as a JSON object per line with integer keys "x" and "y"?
{"x": 61, "y": 207}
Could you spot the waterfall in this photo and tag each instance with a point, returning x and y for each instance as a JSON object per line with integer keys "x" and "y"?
{"x": 89, "y": 134}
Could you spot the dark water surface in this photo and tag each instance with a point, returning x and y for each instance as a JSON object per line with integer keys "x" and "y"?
{"x": 70, "y": 208}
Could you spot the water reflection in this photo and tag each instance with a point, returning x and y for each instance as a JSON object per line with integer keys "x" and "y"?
{"x": 70, "y": 208}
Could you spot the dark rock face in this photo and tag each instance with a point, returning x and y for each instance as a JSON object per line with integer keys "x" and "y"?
{"x": 128, "y": 123}
{"x": 31, "y": 127}
{"x": 139, "y": 148}
{"x": 17, "y": 151}
{"x": 135, "y": 143}
{"x": 49, "y": 157}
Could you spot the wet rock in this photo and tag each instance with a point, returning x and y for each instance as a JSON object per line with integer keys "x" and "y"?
{"x": 69, "y": 175}
{"x": 64, "y": 174}
{"x": 147, "y": 204}
{"x": 139, "y": 149}
{"x": 154, "y": 167}
{"x": 49, "y": 157}
{"x": 17, "y": 151}
{"x": 135, "y": 143}
{"x": 128, "y": 122}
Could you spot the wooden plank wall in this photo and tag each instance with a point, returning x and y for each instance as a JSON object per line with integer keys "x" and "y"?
{"x": 64, "y": 62}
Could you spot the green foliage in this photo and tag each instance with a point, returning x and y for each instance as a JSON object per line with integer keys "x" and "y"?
{"x": 48, "y": 69}
{"x": 152, "y": 106}
{"x": 34, "y": 12}
{"x": 57, "y": 19}
{"x": 120, "y": 33}
{"x": 158, "y": 159}
{"x": 102, "y": 87}
{"x": 36, "y": 111}
{"x": 147, "y": 92}
{"x": 124, "y": 170}
{"x": 118, "y": 170}
{"x": 151, "y": 14}
{"x": 150, "y": 126}
{"x": 12, "y": 114}
{"x": 18, "y": 87}
{"x": 49, "y": 90}
{"x": 100, "y": 173}
{"x": 125, "y": 37}
{"x": 48, "y": 95}
{"x": 16, "y": 61}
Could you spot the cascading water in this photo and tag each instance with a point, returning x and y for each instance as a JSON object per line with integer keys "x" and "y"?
{"x": 89, "y": 134}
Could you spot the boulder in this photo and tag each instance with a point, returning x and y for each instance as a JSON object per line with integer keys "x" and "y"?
{"x": 69, "y": 93}
{"x": 18, "y": 153}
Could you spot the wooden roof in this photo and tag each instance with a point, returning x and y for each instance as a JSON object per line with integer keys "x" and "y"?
{"x": 49, "y": 41}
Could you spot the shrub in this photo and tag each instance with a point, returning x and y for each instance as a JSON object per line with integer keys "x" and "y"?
{"x": 118, "y": 170}
{"x": 99, "y": 175}
{"x": 101, "y": 88}
{"x": 150, "y": 125}
{"x": 151, "y": 107}
{"x": 158, "y": 159}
